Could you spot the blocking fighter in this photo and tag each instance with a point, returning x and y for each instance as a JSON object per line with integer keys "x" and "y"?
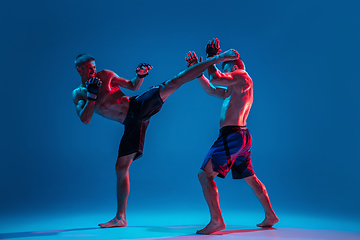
{"x": 232, "y": 148}
{"x": 100, "y": 93}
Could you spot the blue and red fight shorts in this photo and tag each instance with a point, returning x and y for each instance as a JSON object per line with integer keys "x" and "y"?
{"x": 231, "y": 151}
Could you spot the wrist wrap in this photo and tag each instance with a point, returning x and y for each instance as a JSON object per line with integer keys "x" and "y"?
{"x": 142, "y": 76}
{"x": 91, "y": 96}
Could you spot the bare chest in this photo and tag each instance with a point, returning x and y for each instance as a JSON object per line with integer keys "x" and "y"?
{"x": 235, "y": 107}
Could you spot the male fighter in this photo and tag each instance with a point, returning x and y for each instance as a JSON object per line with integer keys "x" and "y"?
{"x": 232, "y": 148}
{"x": 99, "y": 92}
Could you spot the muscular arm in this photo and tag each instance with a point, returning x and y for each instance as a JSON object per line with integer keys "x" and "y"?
{"x": 238, "y": 77}
{"x": 211, "y": 71}
{"x": 84, "y": 108}
{"x": 133, "y": 84}
{"x": 217, "y": 91}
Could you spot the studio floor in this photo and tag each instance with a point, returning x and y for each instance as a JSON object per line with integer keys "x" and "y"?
{"x": 173, "y": 225}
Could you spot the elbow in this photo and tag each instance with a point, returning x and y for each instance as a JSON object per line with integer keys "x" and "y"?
{"x": 135, "y": 88}
{"x": 215, "y": 94}
{"x": 215, "y": 77}
{"x": 211, "y": 92}
{"x": 85, "y": 120}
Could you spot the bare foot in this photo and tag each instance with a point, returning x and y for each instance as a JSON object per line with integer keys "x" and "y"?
{"x": 115, "y": 222}
{"x": 212, "y": 227}
{"x": 268, "y": 222}
{"x": 230, "y": 54}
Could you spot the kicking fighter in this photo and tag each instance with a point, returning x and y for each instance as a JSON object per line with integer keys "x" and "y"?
{"x": 100, "y": 93}
{"x": 232, "y": 148}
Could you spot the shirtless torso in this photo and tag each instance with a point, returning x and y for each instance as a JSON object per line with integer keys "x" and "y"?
{"x": 237, "y": 94}
{"x": 111, "y": 102}
{"x": 238, "y": 98}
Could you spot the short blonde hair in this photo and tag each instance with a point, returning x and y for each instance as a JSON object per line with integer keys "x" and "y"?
{"x": 238, "y": 62}
{"x": 84, "y": 57}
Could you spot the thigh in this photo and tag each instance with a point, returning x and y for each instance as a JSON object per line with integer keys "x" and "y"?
{"x": 169, "y": 87}
{"x": 133, "y": 138}
{"x": 221, "y": 160}
{"x": 148, "y": 104}
{"x": 242, "y": 167}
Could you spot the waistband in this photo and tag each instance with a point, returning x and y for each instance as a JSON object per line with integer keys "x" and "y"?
{"x": 131, "y": 111}
{"x": 232, "y": 129}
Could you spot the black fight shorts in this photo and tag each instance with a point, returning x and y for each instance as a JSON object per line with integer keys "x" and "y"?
{"x": 141, "y": 108}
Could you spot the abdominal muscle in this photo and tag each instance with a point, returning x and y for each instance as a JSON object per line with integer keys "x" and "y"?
{"x": 112, "y": 105}
{"x": 235, "y": 109}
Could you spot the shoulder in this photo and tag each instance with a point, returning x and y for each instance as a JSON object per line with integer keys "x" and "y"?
{"x": 244, "y": 82}
{"x": 242, "y": 76}
{"x": 79, "y": 90}
{"x": 106, "y": 73}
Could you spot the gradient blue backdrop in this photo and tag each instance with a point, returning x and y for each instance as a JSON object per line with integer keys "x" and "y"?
{"x": 303, "y": 57}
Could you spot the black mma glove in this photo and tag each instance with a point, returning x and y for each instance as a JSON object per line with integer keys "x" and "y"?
{"x": 213, "y": 48}
{"x": 93, "y": 86}
{"x": 192, "y": 59}
{"x": 142, "y": 70}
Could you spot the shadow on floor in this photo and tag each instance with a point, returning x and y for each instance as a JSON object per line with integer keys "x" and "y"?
{"x": 184, "y": 231}
{"x": 40, "y": 233}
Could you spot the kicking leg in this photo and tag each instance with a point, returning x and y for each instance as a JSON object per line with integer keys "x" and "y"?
{"x": 211, "y": 195}
{"x": 260, "y": 191}
{"x": 170, "y": 86}
{"x": 123, "y": 190}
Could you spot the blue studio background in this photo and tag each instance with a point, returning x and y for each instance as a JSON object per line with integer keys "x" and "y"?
{"x": 303, "y": 57}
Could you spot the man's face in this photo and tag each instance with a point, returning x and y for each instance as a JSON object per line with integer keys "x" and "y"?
{"x": 87, "y": 70}
{"x": 227, "y": 67}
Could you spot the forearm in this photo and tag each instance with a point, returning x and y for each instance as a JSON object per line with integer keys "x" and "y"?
{"x": 206, "y": 85}
{"x": 210, "y": 89}
{"x": 211, "y": 71}
{"x": 87, "y": 112}
{"x": 136, "y": 83}
{"x": 224, "y": 79}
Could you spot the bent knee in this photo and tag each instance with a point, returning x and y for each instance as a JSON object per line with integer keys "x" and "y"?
{"x": 121, "y": 168}
{"x": 201, "y": 174}
{"x": 204, "y": 176}
{"x": 122, "y": 164}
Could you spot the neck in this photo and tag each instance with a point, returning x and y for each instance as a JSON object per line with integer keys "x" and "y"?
{"x": 83, "y": 80}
